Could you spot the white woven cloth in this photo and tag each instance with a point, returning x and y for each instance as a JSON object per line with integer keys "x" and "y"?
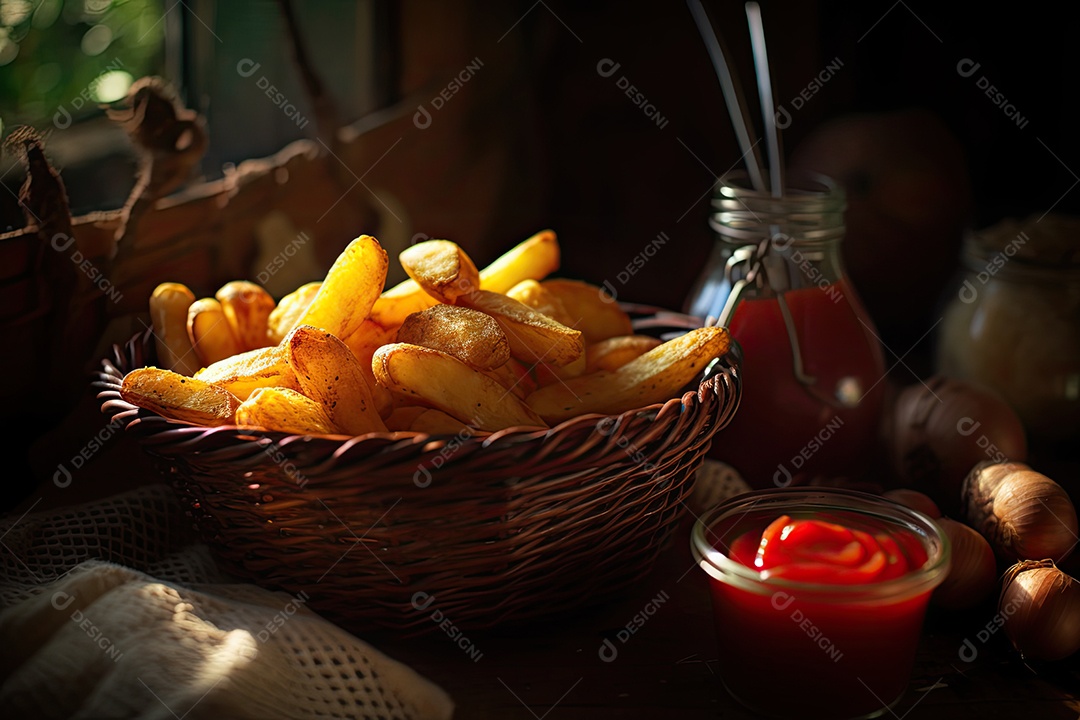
{"x": 112, "y": 610}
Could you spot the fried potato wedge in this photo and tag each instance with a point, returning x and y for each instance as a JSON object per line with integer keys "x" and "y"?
{"x": 330, "y": 374}
{"x": 515, "y": 376}
{"x": 179, "y": 397}
{"x": 471, "y": 336}
{"x": 446, "y": 383}
{"x": 613, "y": 353}
{"x": 533, "y": 259}
{"x": 285, "y": 410}
{"x": 436, "y": 422}
{"x": 211, "y": 334}
{"x": 247, "y": 307}
{"x": 572, "y": 370}
{"x": 350, "y": 288}
{"x": 533, "y": 336}
{"x": 364, "y": 342}
{"x": 597, "y": 318}
{"x": 286, "y": 315}
{"x": 398, "y": 303}
{"x": 442, "y": 269}
{"x": 169, "y": 305}
{"x": 244, "y": 373}
{"x": 401, "y": 418}
{"x": 654, "y": 377}
{"x": 539, "y": 298}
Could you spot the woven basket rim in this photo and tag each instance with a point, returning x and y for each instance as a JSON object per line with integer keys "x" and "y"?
{"x": 107, "y": 382}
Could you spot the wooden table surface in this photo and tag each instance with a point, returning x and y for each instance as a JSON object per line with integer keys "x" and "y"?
{"x": 553, "y": 669}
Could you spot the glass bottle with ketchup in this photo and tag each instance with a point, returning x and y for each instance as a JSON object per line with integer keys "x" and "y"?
{"x": 813, "y": 371}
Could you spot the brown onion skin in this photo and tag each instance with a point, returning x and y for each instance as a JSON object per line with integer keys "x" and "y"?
{"x": 1024, "y": 514}
{"x": 973, "y": 571}
{"x": 940, "y": 430}
{"x": 917, "y": 501}
{"x": 1040, "y": 605}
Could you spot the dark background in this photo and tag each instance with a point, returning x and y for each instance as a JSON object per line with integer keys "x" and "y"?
{"x": 540, "y": 139}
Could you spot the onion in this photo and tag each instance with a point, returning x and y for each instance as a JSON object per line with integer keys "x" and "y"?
{"x": 1040, "y": 607}
{"x": 917, "y": 501}
{"x": 972, "y": 572}
{"x": 941, "y": 429}
{"x": 1024, "y": 514}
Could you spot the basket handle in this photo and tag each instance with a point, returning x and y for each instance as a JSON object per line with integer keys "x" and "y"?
{"x": 721, "y": 382}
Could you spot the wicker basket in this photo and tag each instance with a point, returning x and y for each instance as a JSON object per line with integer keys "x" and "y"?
{"x": 384, "y": 529}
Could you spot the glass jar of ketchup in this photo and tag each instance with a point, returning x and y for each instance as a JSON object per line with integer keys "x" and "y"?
{"x": 819, "y": 598}
{"x": 812, "y": 365}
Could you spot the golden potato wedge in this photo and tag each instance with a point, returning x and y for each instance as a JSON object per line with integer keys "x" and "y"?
{"x": 247, "y": 307}
{"x": 242, "y": 374}
{"x": 534, "y": 259}
{"x": 539, "y": 298}
{"x": 596, "y": 318}
{"x": 654, "y": 377}
{"x": 330, "y": 374}
{"x": 350, "y": 288}
{"x": 442, "y": 269}
{"x": 211, "y": 334}
{"x": 613, "y": 353}
{"x": 364, "y": 342}
{"x": 471, "y": 336}
{"x": 286, "y": 315}
{"x": 436, "y": 422}
{"x": 515, "y": 376}
{"x": 446, "y": 383}
{"x": 401, "y": 418}
{"x": 179, "y": 397}
{"x": 285, "y": 410}
{"x": 533, "y": 336}
{"x": 399, "y": 302}
{"x": 571, "y": 370}
{"x": 169, "y": 305}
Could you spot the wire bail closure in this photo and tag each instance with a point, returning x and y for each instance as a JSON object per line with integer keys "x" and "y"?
{"x": 755, "y": 259}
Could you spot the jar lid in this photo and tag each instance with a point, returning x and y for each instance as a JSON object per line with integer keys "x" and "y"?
{"x": 1039, "y": 242}
{"x": 810, "y": 212}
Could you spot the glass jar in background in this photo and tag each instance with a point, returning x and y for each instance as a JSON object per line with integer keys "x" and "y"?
{"x": 1013, "y": 324}
{"x": 813, "y": 372}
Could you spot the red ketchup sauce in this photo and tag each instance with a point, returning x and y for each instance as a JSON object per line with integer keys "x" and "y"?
{"x": 782, "y": 434}
{"x": 820, "y": 642}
